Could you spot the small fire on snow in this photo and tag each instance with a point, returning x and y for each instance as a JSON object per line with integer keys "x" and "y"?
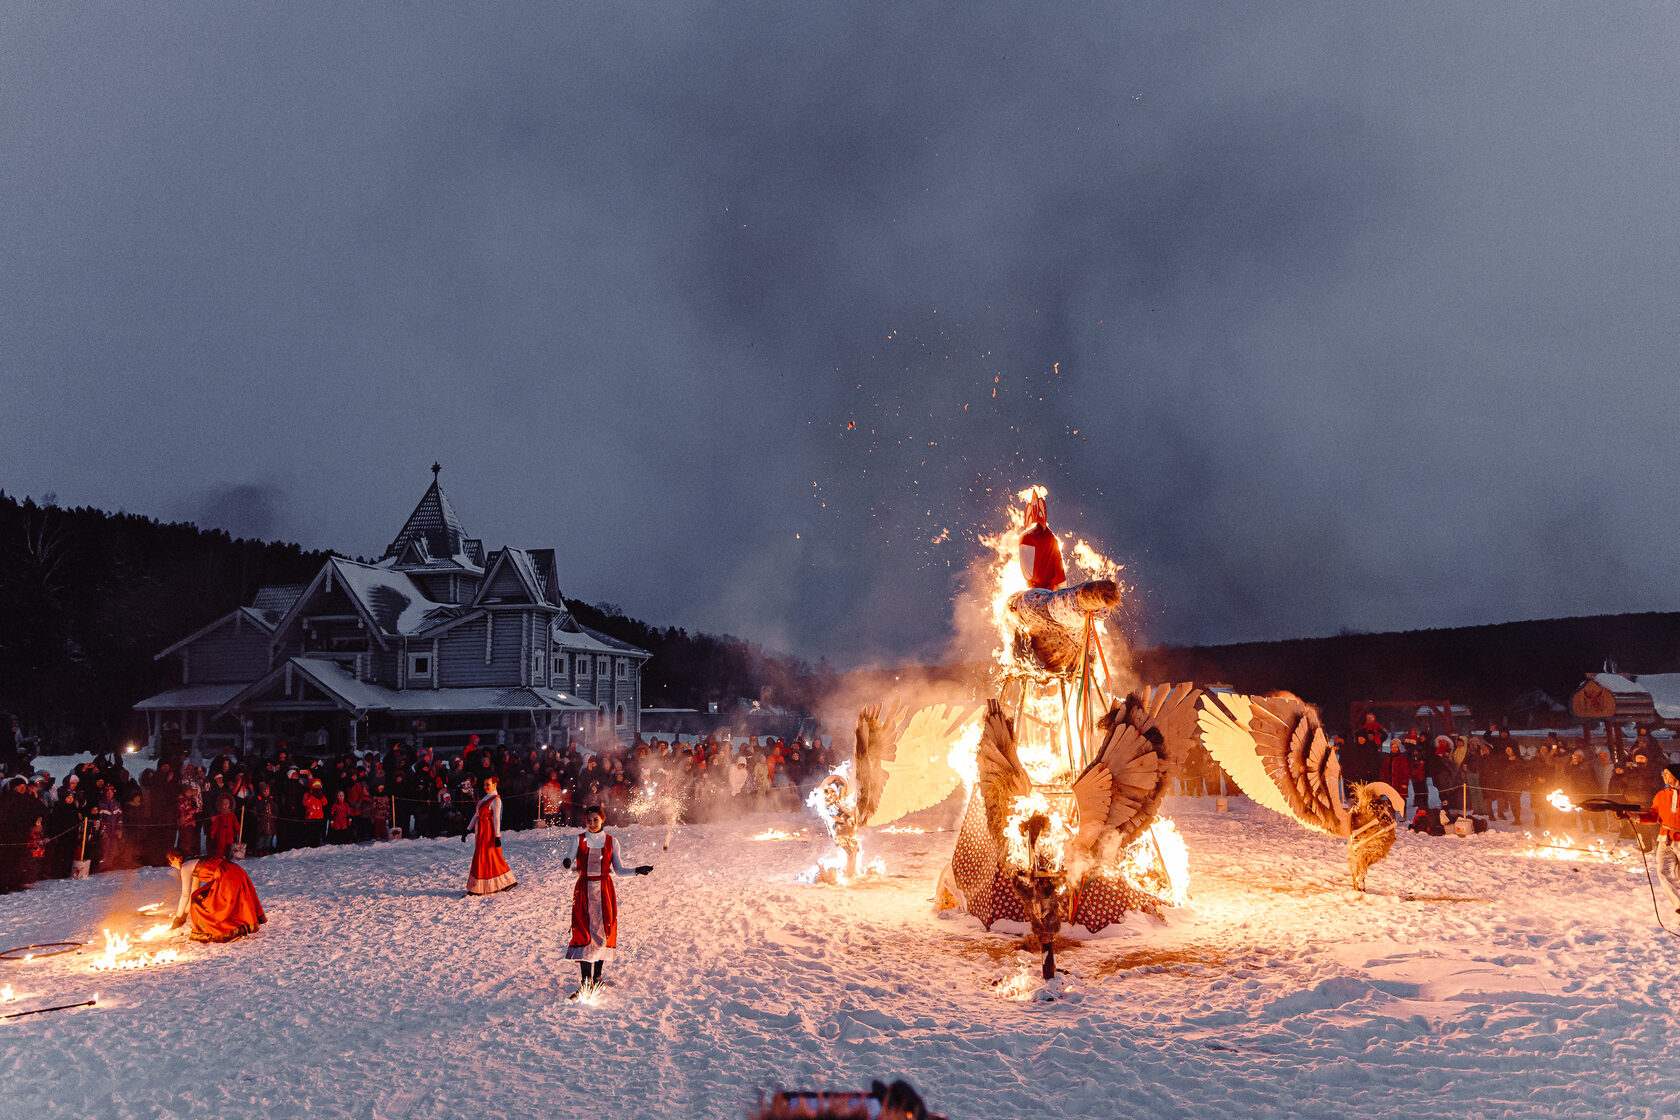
{"x": 775, "y": 834}
{"x": 1547, "y": 846}
{"x": 116, "y": 955}
{"x": 7, "y": 995}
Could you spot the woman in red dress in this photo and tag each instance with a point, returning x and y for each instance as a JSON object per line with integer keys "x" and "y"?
{"x": 489, "y": 872}
{"x": 218, "y": 896}
{"x": 594, "y": 900}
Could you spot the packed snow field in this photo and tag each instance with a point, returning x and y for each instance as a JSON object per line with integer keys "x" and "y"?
{"x": 1473, "y": 981}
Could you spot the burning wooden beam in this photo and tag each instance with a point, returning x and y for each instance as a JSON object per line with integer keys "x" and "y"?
{"x": 1050, "y": 625}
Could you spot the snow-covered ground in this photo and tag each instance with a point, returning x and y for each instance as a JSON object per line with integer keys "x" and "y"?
{"x": 1473, "y": 981}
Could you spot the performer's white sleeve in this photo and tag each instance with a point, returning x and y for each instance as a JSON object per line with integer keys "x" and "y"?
{"x": 617, "y": 867}
{"x": 569, "y": 848}
{"x": 188, "y": 866}
{"x": 497, "y": 806}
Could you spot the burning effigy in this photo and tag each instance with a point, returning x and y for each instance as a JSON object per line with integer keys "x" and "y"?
{"x": 1064, "y": 771}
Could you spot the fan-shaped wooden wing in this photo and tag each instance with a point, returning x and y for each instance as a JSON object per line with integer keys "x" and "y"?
{"x": 1146, "y": 741}
{"x": 1275, "y": 749}
{"x": 999, "y": 775}
{"x": 878, "y": 730}
{"x": 918, "y": 774}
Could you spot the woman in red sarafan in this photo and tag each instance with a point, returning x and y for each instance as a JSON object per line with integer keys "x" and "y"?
{"x": 217, "y": 896}
{"x": 489, "y": 872}
{"x": 594, "y": 899}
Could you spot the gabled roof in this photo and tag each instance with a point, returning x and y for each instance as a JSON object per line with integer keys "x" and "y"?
{"x": 238, "y": 616}
{"x": 435, "y": 523}
{"x": 390, "y": 603}
{"x": 519, "y": 562}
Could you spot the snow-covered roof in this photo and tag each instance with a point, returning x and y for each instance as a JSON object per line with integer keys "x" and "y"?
{"x": 1618, "y": 684}
{"x": 351, "y": 694}
{"x": 392, "y": 600}
{"x": 569, "y": 634}
{"x": 1665, "y": 693}
{"x": 212, "y": 696}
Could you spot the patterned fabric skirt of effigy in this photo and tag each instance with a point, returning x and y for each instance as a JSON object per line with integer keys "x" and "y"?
{"x": 987, "y": 883}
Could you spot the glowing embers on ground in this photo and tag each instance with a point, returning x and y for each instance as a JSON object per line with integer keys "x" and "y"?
{"x": 119, "y": 953}
{"x": 777, "y": 834}
{"x": 7, "y": 995}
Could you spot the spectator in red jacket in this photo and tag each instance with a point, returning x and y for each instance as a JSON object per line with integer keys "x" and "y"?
{"x": 224, "y": 828}
{"x": 314, "y": 814}
{"x": 338, "y": 820}
{"x": 1396, "y": 769}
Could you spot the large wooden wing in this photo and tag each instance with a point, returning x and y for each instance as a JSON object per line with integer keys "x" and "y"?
{"x": 1275, "y": 749}
{"x": 878, "y": 731}
{"x": 917, "y": 774}
{"x": 999, "y": 775}
{"x": 1146, "y": 740}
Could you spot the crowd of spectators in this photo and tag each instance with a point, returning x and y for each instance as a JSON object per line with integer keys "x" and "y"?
{"x": 103, "y": 813}
{"x": 1506, "y": 777}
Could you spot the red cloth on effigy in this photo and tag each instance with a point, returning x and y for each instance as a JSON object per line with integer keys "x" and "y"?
{"x": 489, "y": 872}
{"x": 1041, "y": 558}
{"x": 224, "y": 901}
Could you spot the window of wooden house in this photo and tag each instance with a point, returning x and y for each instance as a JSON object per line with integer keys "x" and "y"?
{"x": 582, "y": 666}
{"x": 420, "y": 665}
{"x": 537, "y": 665}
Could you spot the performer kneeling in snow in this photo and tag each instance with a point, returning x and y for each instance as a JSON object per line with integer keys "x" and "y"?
{"x": 594, "y": 901}
{"x": 489, "y": 872}
{"x": 218, "y": 896}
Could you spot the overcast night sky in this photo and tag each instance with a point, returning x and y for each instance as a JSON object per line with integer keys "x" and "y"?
{"x": 1314, "y": 316}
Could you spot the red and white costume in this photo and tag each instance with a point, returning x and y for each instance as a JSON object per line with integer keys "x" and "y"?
{"x": 489, "y": 872}
{"x": 594, "y": 899}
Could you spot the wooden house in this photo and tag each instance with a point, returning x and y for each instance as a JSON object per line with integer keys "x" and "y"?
{"x": 436, "y": 642}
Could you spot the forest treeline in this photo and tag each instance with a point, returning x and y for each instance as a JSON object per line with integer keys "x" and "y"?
{"x": 87, "y": 598}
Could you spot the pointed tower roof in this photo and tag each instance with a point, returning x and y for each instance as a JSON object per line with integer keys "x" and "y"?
{"x": 434, "y": 525}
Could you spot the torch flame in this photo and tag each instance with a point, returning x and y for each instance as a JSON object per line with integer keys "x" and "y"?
{"x": 1558, "y": 800}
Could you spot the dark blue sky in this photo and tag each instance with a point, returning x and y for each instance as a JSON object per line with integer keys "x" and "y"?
{"x": 1316, "y": 316}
